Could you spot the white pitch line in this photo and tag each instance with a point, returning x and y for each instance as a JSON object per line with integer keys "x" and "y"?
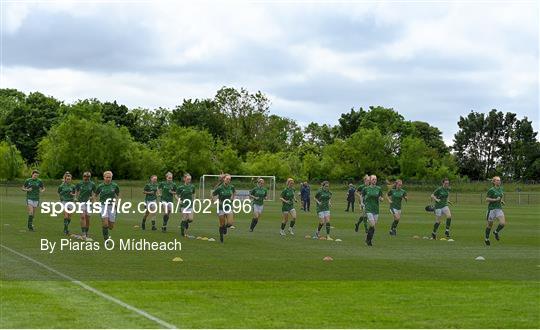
{"x": 93, "y": 290}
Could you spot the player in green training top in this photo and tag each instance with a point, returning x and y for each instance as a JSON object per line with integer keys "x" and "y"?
{"x": 167, "y": 189}
{"x": 84, "y": 192}
{"x": 394, "y": 197}
{"x": 495, "y": 196}
{"x": 33, "y": 187}
{"x": 150, "y": 192}
{"x": 258, "y": 195}
{"x": 225, "y": 193}
{"x": 322, "y": 198}
{"x": 372, "y": 197}
{"x": 66, "y": 192}
{"x": 287, "y": 207}
{"x": 363, "y": 217}
{"x": 184, "y": 194}
{"x": 107, "y": 193}
{"x": 440, "y": 196}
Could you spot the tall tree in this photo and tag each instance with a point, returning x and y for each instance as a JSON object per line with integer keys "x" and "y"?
{"x": 431, "y": 136}
{"x": 119, "y": 114}
{"x": 495, "y": 143}
{"x": 26, "y": 123}
{"x": 79, "y": 144}
{"x": 149, "y": 124}
{"x": 320, "y": 135}
{"x": 246, "y": 116}
{"x": 200, "y": 114}
{"x": 350, "y": 122}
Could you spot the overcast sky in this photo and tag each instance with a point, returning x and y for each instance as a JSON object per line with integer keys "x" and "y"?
{"x": 431, "y": 61}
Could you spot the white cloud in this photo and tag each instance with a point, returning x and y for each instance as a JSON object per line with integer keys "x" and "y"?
{"x": 315, "y": 60}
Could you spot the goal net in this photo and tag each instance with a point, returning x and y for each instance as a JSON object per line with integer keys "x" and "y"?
{"x": 242, "y": 184}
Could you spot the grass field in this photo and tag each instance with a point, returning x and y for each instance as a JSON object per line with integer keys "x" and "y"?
{"x": 260, "y": 279}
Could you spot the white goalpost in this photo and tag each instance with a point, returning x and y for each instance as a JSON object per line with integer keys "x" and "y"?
{"x": 242, "y": 183}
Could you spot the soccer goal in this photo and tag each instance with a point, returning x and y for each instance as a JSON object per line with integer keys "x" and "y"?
{"x": 242, "y": 184}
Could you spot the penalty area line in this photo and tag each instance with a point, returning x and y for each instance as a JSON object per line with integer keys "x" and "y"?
{"x": 95, "y": 291}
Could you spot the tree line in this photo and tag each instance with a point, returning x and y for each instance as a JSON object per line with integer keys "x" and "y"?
{"x": 235, "y": 132}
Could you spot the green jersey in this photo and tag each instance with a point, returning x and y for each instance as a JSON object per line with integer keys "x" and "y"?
{"x": 442, "y": 194}
{"x": 150, "y": 188}
{"x": 167, "y": 189}
{"x": 35, "y": 185}
{"x": 371, "y": 198}
{"x": 224, "y": 193}
{"x": 396, "y": 195}
{"x": 288, "y": 195}
{"x": 106, "y": 191}
{"x": 260, "y": 194}
{"x": 323, "y": 196}
{"x": 186, "y": 192}
{"x": 65, "y": 191}
{"x": 85, "y": 189}
{"x": 495, "y": 192}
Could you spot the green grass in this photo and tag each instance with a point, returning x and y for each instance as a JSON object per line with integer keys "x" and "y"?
{"x": 259, "y": 279}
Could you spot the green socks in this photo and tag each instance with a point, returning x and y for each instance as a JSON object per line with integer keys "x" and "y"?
{"x": 363, "y": 219}
{"x": 394, "y": 224}
{"x": 66, "y": 224}
{"x": 254, "y": 222}
{"x": 328, "y": 228}
{"x": 371, "y": 232}
{"x": 282, "y": 225}
{"x": 435, "y": 227}
{"x": 30, "y": 220}
{"x": 105, "y": 231}
{"x": 165, "y": 220}
{"x": 291, "y": 224}
{"x": 448, "y": 222}
{"x": 319, "y": 227}
{"x": 499, "y": 228}
{"x": 488, "y": 231}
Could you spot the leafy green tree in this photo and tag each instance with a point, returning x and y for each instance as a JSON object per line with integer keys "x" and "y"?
{"x": 187, "y": 150}
{"x": 26, "y": 123}
{"x": 387, "y": 121}
{"x": 320, "y": 135}
{"x": 431, "y": 136}
{"x": 201, "y": 114}
{"x": 149, "y": 124}
{"x": 370, "y": 152}
{"x": 525, "y": 149}
{"x": 469, "y": 145}
{"x": 91, "y": 109}
{"x": 226, "y": 159}
{"x": 78, "y": 144}
{"x": 495, "y": 143}
{"x": 11, "y": 162}
{"x": 266, "y": 163}
{"x": 311, "y": 167}
{"x": 280, "y": 134}
{"x": 119, "y": 114}
{"x": 246, "y": 116}
{"x": 414, "y": 158}
{"x": 350, "y": 122}
{"x": 9, "y": 100}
